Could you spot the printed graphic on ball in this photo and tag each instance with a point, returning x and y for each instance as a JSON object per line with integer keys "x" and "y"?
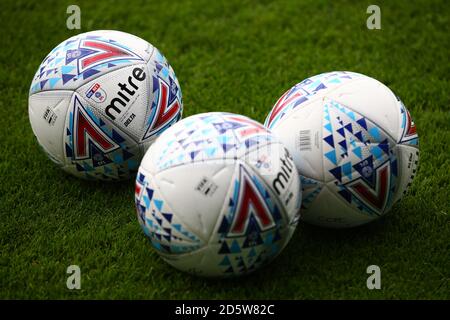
{"x": 233, "y": 212}
{"x": 109, "y": 95}
{"x": 353, "y": 142}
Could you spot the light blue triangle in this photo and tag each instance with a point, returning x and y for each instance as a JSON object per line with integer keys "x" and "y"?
{"x": 87, "y": 167}
{"x": 70, "y": 45}
{"x": 335, "y": 80}
{"x": 132, "y": 164}
{"x": 210, "y": 151}
{"x": 177, "y": 226}
{"x": 92, "y": 115}
{"x": 66, "y": 69}
{"x": 158, "y": 204}
{"x": 206, "y": 131}
{"x": 269, "y": 238}
{"x": 157, "y": 245}
{"x": 331, "y": 155}
{"x": 146, "y": 201}
{"x": 58, "y": 60}
{"x": 222, "y": 139}
{"x": 328, "y": 127}
{"x": 376, "y": 151}
{"x": 225, "y": 261}
{"x": 235, "y": 247}
{"x": 375, "y": 132}
{"x": 357, "y": 152}
{"x": 118, "y": 159}
{"x": 35, "y": 87}
{"x": 351, "y": 115}
{"x": 52, "y": 82}
{"x": 347, "y": 169}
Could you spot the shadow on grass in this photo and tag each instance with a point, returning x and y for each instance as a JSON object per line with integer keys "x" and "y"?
{"x": 86, "y": 187}
{"x": 311, "y": 248}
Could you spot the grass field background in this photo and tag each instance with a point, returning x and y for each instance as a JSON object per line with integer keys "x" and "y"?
{"x": 236, "y": 56}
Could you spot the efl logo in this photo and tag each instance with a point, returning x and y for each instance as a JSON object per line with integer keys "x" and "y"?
{"x": 96, "y": 93}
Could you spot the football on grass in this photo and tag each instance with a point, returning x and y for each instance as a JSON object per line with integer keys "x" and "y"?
{"x": 354, "y": 144}
{"x": 99, "y": 100}
{"x": 218, "y": 195}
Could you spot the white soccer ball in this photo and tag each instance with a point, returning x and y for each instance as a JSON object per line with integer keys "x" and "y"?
{"x": 99, "y": 100}
{"x": 218, "y": 195}
{"x": 353, "y": 142}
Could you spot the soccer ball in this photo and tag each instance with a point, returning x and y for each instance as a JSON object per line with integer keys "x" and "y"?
{"x": 99, "y": 100}
{"x": 217, "y": 195}
{"x": 353, "y": 142}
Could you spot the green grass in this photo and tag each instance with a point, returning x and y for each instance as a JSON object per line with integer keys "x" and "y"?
{"x": 237, "y": 56}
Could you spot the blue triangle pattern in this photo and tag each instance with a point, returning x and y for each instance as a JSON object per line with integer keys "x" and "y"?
{"x": 351, "y": 114}
{"x": 375, "y": 132}
{"x": 384, "y": 145}
{"x": 67, "y": 77}
{"x": 349, "y": 127}
{"x": 235, "y": 248}
{"x": 347, "y": 169}
{"x": 357, "y": 151}
{"x": 329, "y": 140}
{"x": 331, "y": 155}
{"x": 346, "y": 195}
{"x": 225, "y": 261}
{"x": 168, "y": 217}
{"x": 362, "y": 123}
{"x": 343, "y": 144}
{"x": 158, "y": 204}
{"x": 224, "y": 249}
{"x": 376, "y": 152}
{"x": 337, "y": 173}
{"x": 359, "y": 136}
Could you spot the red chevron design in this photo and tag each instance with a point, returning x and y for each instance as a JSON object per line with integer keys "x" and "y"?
{"x": 250, "y": 202}
{"x": 282, "y": 102}
{"x": 86, "y": 130}
{"x": 165, "y": 112}
{"x": 411, "y": 126}
{"x": 104, "y": 51}
{"x": 375, "y": 198}
{"x": 255, "y": 127}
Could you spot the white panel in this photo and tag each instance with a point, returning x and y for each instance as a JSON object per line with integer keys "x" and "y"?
{"x": 408, "y": 161}
{"x": 330, "y": 211}
{"x": 47, "y": 112}
{"x": 196, "y": 193}
{"x": 373, "y": 100}
{"x": 301, "y": 133}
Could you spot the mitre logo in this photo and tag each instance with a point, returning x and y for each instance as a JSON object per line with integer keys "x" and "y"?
{"x": 125, "y": 93}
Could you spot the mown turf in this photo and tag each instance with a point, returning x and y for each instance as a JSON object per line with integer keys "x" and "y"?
{"x": 237, "y": 56}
